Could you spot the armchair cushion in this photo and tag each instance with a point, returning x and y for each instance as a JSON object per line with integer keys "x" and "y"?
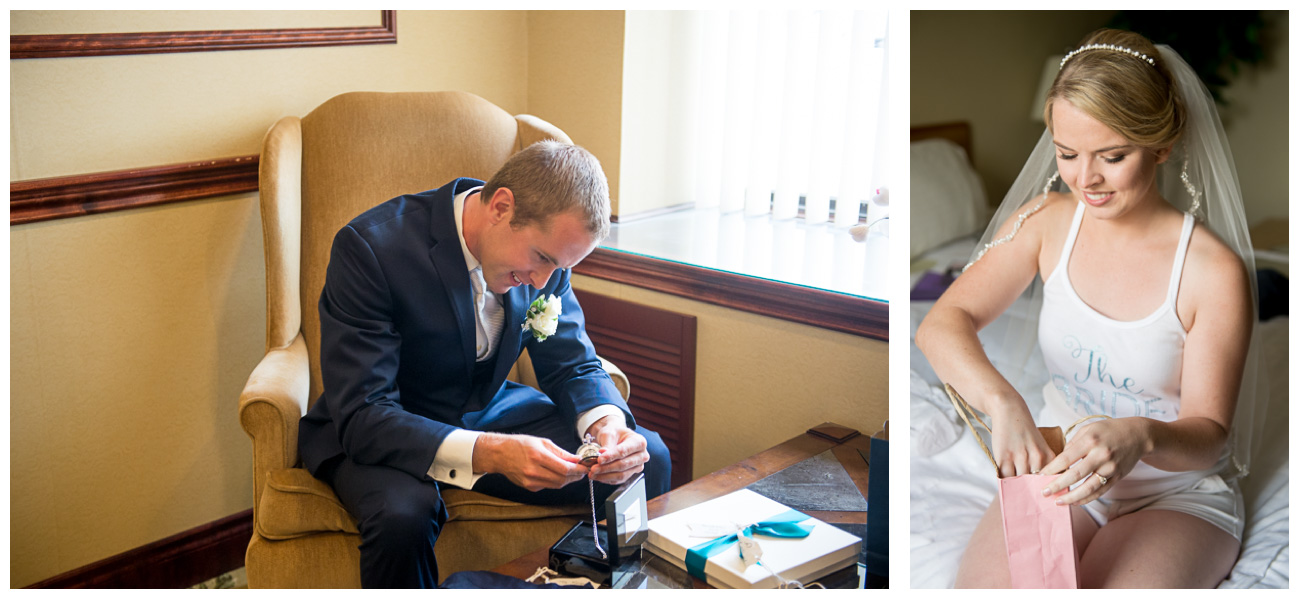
{"x": 468, "y": 505}
{"x": 295, "y": 504}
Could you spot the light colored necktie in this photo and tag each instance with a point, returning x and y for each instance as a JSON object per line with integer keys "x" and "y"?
{"x": 489, "y": 316}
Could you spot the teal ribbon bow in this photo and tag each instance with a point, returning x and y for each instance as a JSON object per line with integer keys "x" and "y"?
{"x": 785, "y": 525}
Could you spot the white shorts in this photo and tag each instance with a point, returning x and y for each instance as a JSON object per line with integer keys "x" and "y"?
{"x": 1211, "y": 499}
{"x": 1202, "y": 494}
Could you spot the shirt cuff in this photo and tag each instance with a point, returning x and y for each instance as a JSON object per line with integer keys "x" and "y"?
{"x": 454, "y": 462}
{"x": 587, "y": 418}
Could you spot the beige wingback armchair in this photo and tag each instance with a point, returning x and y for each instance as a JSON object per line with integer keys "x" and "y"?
{"x": 317, "y": 173}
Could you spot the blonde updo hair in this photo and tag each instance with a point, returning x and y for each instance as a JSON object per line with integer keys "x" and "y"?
{"x": 1134, "y": 98}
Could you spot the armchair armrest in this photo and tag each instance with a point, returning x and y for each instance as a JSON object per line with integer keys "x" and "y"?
{"x": 523, "y": 373}
{"x": 620, "y": 379}
{"x": 273, "y": 400}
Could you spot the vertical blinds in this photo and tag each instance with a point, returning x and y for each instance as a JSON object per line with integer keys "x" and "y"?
{"x": 786, "y": 105}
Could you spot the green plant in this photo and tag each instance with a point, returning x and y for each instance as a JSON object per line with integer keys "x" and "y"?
{"x": 1215, "y": 43}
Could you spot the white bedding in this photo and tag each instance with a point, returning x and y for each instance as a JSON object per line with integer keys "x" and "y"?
{"x": 952, "y": 483}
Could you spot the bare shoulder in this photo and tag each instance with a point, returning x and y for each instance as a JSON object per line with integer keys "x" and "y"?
{"x": 1214, "y": 277}
{"x": 1040, "y": 222}
{"x": 1209, "y": 258}
{"x": 1051, "y": 229}
{"x": 1059, "y": 208}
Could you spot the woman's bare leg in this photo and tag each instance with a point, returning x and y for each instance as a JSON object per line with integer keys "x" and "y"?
{"x": 1158, "y": 549}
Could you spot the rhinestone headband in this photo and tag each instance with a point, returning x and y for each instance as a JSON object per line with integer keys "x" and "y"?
{"x": 1112, "y": 48}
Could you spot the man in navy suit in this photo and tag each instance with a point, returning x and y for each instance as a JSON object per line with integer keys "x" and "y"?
{"x": 422, "y": 316}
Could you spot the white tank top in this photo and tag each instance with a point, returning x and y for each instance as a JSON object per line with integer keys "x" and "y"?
{"x": 1098, "y": 365}
{"x": 1105, "y": 366}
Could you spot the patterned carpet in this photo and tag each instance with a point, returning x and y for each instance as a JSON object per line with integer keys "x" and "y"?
{"x": 234, "y": 580}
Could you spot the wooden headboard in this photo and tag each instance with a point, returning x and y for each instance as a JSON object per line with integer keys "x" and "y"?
{"x": 957, "y": 132}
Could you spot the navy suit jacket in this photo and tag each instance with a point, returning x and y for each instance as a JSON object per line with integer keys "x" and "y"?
{"x": 397, "y": 344}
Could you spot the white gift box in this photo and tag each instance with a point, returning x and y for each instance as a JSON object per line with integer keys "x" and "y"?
{"x": 826, "y": 549}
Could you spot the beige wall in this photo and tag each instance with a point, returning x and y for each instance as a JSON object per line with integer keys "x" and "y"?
{"x": 575, "y": 70}
{"x": 659, "y": 54}
{"x": 131, "y": 336}
{"x": 133, "y": 332}
{"x": 984, "y": 67}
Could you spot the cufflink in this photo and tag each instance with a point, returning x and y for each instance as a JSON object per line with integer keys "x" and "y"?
{"x": 452, "y": 473}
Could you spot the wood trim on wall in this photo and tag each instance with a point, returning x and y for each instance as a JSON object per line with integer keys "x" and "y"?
{"x": 75, "y": 195}
{"x": 180, "y": 561}
{"x": 43, "y": 199}
{"x": 829, "y": 310}
{"x": 159, "y": 42}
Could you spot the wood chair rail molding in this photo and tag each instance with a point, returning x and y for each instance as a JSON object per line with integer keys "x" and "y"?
{"x": 161, "y": 42}
{"x": 76, "y": 195}
{"x": 36, "y": 200}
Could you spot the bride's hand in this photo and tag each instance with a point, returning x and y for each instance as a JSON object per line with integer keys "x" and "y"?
{"x": 1017, "y": 445}
{"x": 1101, "y": 453}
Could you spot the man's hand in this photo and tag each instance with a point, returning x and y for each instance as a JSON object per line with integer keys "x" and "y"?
{"x": 622, "y": 451}
{"x": 532, "y": 463}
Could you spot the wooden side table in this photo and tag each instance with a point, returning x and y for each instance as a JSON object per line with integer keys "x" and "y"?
{"x": 848, "y": 446}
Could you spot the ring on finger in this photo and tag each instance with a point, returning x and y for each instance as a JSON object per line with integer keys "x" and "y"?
{"x": 1101, "y": 477}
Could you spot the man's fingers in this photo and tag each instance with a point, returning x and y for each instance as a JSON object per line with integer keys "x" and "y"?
{"x": 546, "y": 465}
{"x": 628, "y": 445}
{"x": 630, "y": 453}
{"x": 628, "y": 464}
{"x": 608, "y": 438}
{"x": 555, "y": 450}
{"x": 618, "y": 476}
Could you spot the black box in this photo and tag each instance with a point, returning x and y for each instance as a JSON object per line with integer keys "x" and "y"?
{"x": 576, "y": 553}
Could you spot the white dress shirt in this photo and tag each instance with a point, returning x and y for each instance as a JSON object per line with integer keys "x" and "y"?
{"x": 453, "y": 463}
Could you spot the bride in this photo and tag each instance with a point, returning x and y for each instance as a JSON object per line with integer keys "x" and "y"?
{"x": 1146, "y": 316}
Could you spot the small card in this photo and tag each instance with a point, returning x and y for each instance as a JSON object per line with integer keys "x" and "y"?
{"x": 632, "y": 520}
{"x": 750, "y": 551}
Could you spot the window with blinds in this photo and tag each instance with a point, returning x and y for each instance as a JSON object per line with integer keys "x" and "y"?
{"x": 787, "y": 106}
{"x": 752, "y": 140}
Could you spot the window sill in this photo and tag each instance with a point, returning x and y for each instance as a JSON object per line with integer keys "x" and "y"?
{"x": 810, "y": 306}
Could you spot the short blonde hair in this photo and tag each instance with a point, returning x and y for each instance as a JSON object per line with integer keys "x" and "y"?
{"x": 1135, "y": 98}
{"x": 550, "y": 178}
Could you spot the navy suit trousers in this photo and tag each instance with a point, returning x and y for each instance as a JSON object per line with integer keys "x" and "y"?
{"x": 400, "y": 516}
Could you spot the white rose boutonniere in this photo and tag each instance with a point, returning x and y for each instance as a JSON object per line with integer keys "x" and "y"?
{"x": 543, "y": 316}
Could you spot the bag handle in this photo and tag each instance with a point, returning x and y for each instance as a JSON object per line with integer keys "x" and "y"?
{"x": 1076, "y": 423}
{"x": 963, "y": 408}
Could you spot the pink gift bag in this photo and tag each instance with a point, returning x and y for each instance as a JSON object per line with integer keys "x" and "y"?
{"x": 1039, "y": 535}
{"x": 1040, "y": 538}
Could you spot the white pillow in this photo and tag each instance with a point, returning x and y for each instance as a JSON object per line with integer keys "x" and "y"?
{"x": 948, "y": 199}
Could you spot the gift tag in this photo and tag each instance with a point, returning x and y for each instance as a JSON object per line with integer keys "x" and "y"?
{"x": 710, "y": 530}
{"x": 750, "y": 551}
